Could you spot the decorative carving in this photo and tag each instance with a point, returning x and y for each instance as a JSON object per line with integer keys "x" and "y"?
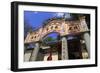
{"x": 73, "y": 28}
{"x": 69, "y": 27}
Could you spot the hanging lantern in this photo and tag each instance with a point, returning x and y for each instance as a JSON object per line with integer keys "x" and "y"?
{"x": 50, "y": 56}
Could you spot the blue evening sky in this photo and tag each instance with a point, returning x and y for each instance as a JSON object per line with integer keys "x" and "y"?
{"x": 36, "y": 19}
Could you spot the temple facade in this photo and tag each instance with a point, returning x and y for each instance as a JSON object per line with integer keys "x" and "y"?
{"x": 73, "y": 41}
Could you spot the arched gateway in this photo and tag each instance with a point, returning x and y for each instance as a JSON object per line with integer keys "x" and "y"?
{"x": 67, "y": 30}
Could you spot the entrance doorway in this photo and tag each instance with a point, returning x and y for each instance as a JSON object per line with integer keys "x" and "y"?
{"x": 74, "y": 49}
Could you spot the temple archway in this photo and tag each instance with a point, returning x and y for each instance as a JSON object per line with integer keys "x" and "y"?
{"x": 52, "y": 40}
{"x": 63, "y": 28}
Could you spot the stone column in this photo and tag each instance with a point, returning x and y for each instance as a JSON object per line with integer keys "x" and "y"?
{"x": 35, "y": 52}
{"x": 64, "y": 49}
{"x": 87, "y": 42}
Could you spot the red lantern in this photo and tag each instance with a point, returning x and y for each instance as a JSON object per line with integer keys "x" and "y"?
{"x": 50, "y": 56}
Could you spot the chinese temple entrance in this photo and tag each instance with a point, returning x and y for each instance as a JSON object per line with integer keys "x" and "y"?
{"x": 59, "y": 39}
{"x": 74, "y": 49}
